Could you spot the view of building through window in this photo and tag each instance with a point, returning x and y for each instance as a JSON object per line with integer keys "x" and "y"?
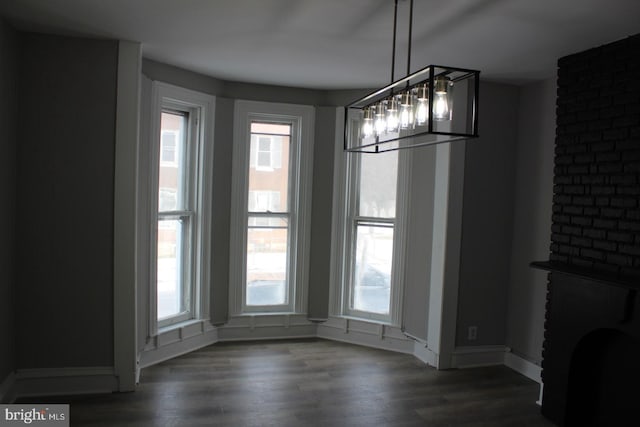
{"x": 173, "y": 235}
{"x": 269, "y": 215}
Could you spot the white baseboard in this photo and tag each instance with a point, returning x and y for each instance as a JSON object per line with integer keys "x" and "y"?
{"x": 6, "y": 388}
{"x": 423, "y": 353}
{"x": 539, "y": 402}
{"x": 526, "y": 368}
{"x": 176, "y": 342}
{"x": 523, "y": 366}
{"x": 365, "y": 333}
{"x": 476, "y": 356}
{"x": 62, "y": 382}
{"x": 265, "y": 327}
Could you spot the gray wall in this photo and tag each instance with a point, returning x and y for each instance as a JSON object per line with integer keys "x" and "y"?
{"x": 221, "y": 222}
{"x": 487, "y": 220}
{"x": 8, "y": 143}
{"x": 419, "y": 242}
{"x": 320, "y": 255}
{"x": 65, "y": 200}
{"x": 531, "y": 218}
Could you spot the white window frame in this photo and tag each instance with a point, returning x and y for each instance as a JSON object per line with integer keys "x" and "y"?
{"x": 301, "y": 119}
{"x": 201, "y": 129}
{"x": 344, "y": 227}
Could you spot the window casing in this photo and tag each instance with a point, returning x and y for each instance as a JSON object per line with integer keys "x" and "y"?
{"x": 273, "y": 145}
{"x": 181, "y": 142}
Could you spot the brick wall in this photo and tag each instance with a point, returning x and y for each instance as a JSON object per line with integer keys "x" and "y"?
{"x": 596, "y": 204}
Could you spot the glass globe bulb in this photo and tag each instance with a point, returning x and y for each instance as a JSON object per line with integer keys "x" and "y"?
{"x": 380, "y": 122}
{"x": 441, "y": 107}
{"x": 406, "y": 111}
{"x": 393, "y": 121}
{"x": 422, "y": 111}
{"x": 367, "y": 123}
{"x": 367, "y": 128}
{"x": 442, "y": 100}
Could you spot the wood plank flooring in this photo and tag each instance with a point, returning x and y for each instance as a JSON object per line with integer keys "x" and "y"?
{"x": 312, "y": 382}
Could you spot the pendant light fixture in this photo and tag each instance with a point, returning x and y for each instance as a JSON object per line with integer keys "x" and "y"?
{"x": 416, "y": 110}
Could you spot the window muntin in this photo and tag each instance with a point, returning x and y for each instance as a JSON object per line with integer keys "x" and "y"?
{"x": 269, "y": 214}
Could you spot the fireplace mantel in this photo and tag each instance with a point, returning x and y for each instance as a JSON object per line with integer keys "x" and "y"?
{"x": 586, "y": 273}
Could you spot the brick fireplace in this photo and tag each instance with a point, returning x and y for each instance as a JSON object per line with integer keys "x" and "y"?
{"x": 591, "y": 353}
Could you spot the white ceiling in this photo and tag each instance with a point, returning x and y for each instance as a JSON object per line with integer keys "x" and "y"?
{"x": 336, "y": 44}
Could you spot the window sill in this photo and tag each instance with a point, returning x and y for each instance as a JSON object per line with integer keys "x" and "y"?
{"x": 268, "y": 313}
{"x": 364, "y": 319}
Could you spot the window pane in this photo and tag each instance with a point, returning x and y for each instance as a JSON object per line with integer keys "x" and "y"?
{"x": 378, "y": 177}
{"x": 372, "y": 276}
{"x": 167, "y": 199}
{"x": 173, "y": 158}
{"x": 267, "y": 254}
{"x": 264, "y": 143}
{"x": 269, "y": 166}
{"x": 171, "y": 297}
{"x": 270, "y": 128}
{"x": 168, "y": 147}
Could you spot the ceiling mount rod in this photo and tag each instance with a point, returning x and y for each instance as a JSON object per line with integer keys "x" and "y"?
{"x": 410, "y": 36}
{"x": 393, "y": 51}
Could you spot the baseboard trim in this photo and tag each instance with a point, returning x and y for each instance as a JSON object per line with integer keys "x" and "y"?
{"x": 6, "y": 388}
{"x": 476, "y": 356}
{"x": 175, "y": 343}
{"x": 62, "y": 382}
{"x": 366, "y": 333}
{"x": 423, "y": 353}
{"x": 265, "y": 334}
{"x": 523, "y": 366}
{"x": 267, "y": 326}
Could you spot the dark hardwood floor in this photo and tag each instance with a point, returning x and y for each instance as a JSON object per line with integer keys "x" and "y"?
{"x": 312, "y": 383}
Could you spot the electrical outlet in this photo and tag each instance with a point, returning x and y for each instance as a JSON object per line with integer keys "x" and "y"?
{"x": 472, "y": 334}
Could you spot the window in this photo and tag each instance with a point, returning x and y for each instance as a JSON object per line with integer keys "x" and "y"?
{"x": 371, "y": 223}
{"x": 168, "y": 141}
{"x": 176, "y": 215}
{"x": 180, "y": 183}
{"x": 369, "y": 252}
{"x": 266, "y": 150}
{"x": 272, "y": 171}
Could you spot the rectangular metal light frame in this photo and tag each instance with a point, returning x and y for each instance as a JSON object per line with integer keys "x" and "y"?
{"x": 418, "y": 136}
